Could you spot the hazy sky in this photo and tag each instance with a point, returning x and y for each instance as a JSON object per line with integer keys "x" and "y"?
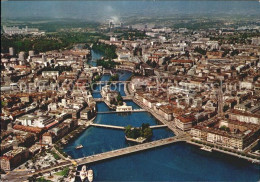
{"x": 100, "y": 10}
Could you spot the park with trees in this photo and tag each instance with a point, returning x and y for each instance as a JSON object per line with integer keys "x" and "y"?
{"x": 144, "y": 131}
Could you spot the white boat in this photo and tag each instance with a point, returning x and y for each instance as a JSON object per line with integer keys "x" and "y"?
{"x": 83, "y": 173}
{"x": 208, "y": 149}
{"x": 79, "y": 147}
{"x": 90, "y": 175}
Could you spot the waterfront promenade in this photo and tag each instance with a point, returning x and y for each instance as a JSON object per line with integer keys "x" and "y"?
{"x": 170, "y": 125}
{"x": 129, "y": 150}
{"x": 121, "y": 127}
{"x": 226, "y": 152}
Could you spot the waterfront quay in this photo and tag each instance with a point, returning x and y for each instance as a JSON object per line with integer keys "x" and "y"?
{"x": 226, "y": 152}
{"x": 129, "y": 150}
{"x": 177, "y": 132}
{"x": 171, "y": 126}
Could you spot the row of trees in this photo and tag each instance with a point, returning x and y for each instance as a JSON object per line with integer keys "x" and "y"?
{"x": 200, "y": 50}
{"x": 133, "y": 35}
{"x": 54, "y": 41}
{"x": 21, "y": 43}
{"x": 145, "y": 131}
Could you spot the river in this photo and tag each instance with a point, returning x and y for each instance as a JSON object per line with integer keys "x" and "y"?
{"x": 175, "y": 162}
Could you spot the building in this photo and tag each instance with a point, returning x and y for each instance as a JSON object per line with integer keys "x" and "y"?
{"x": 244, "y": 117}
{"x": 35, "y": 121}
{"x": 50, "y": 74}
{"x": 47, "y": 138}
{"x": 166, "y": 111}
{"x": 227, "y": 133}
{"x": 11, "y": 51}
{"x": 16, "y": 30}
{"x": 124, "y": 108}
{"x": 108, "y": 94}
{"x": 21, "y": 56}
{"x": 31, "y": 53}
{"x": 14, "y": 158}
{"x": 184, "y": 122}
{"x": 87, "y": 113}
{"x": 146, "y": 70}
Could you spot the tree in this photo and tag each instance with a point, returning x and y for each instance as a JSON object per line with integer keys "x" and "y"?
{"x": 2, "y": 103}
{"x": 128, "y": 129}
{"x": 109, "y": 64}
{"x": 154, "y": 64}
{"x": 144, "y": 131}
{"x": 119, "y": 99}
{"x": 225, "y": 108}
{"x": 225, "y": 128}
{"x": 235, "y": 52}
{"x": 114, "y": 77}
{"x": 200, "y": 50}
{"x": 147, "y": 133}
{"x": 109, "y": 51}
{"x": 145, "y": 125}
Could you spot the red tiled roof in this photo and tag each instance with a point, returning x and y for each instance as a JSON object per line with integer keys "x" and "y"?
{"x": 27, "y": 128}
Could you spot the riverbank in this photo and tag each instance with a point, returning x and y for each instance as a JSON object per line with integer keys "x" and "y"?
{"x": 59, "y": 145}
{"x": 178, "y": 161}
{"x": 176, "y": 131}
{"x": 224, "y": 150}
{"x": 170, "y": 125}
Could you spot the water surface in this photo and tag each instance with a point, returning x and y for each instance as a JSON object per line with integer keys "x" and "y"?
{"x": 176, "y": 162}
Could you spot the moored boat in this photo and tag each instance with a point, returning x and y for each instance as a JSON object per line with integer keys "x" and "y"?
{"x": 79, "y": 147}
{"x": 83, "y": 173}
{"x": 90, "y": 175}
{"x": 208, "y": 149}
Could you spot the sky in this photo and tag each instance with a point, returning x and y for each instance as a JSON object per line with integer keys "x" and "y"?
{"x": 101, "y": 10}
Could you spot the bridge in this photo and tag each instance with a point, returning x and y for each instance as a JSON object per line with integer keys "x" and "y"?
{"x": 121, "y": 127}
{"x": 129, "y": 97}
{"x": 129, "y": 150}
{"x": 106, "y": 71}
{"x": 125, "y": 69}
{"x": 99, "y": 99}
{"x": 112, "y": 82}
{"x": 107, "y": 126}
{"x": 134, "y": 110}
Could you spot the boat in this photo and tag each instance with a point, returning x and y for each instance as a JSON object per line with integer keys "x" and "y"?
{"x": 90, "y": 175}
{"x": 83, "y": 173}
{"x": 208, "y": 149}
{"x": 257, "y": 152}
{"x": 79, "y": 147}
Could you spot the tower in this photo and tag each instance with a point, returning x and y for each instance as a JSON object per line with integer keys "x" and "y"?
{"x": 220, "y": 101}
{"x": 11, "y": 51}
{"x": 21, "y": 56}
{"x": 111, "y": 25}
{"x": 31, "y": 53}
